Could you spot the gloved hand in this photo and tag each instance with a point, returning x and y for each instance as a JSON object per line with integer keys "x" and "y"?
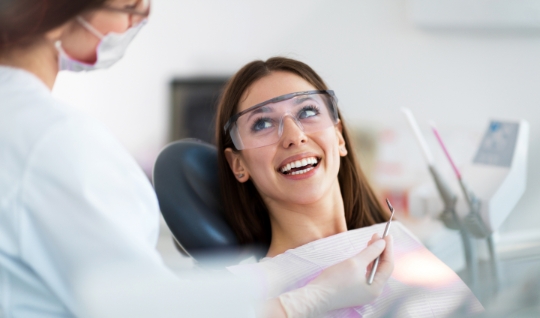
{"x": 344, "y": 284}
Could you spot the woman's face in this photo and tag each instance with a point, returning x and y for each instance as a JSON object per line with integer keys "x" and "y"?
{"x": 264, "y": 165}
{"x": 81, "y": 44}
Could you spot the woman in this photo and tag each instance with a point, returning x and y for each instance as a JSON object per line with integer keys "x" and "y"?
{"x": 78, "y": 218}
{"x": 288, "y": 175}
{"x": 266, "y": 199}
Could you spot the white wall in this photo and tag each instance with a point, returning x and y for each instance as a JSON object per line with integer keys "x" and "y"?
{"x": 370, "y": 52}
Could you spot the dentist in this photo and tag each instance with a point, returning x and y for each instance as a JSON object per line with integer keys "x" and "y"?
{"x": 78, "y": 219}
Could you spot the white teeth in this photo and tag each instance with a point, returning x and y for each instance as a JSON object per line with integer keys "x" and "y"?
{"x": 298, "y": 164}
{"x": 301, "y": 171}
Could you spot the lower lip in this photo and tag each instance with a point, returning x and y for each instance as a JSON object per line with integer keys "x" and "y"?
{"x": 302, "y": 176}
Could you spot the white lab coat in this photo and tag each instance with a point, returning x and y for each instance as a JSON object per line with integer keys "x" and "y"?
{"x": 78, "y": 218}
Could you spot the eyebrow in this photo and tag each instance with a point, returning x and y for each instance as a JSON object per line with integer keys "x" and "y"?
{"x": 303, "y": 99}
{"x": 266, "y": 109}
{"x": 263, "y": 109}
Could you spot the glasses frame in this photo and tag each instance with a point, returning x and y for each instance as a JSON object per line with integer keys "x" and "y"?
{"x": 131, "y": 12}
{"x": 232, "y": 121}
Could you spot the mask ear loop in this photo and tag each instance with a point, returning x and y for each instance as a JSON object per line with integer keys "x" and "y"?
{"x": 58, "y": 46}
{"x": 90, "y": 28}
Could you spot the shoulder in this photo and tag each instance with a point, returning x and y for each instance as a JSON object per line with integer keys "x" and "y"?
{"x": 39, "y": 132}
{"x": 40, "y": 136}
{"x": 34, "y": 126}
{"x": 84, "y": 147}
{"x": 41, "y": 127}
{"x": 28, "y": 110}
{"x": 78, "y": 168}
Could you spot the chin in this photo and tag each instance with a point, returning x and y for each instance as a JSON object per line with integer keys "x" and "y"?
{"x": 302, "y": 198}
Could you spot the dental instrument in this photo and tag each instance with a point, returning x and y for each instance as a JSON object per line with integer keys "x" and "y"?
{"x": 386, "y": 230}
{"x": 449, "y": 215}
{"x": 473, "y": 221}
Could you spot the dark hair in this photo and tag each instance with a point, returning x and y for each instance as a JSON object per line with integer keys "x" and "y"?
{"x": 22, "y": 21}
{"x": 244, "y": 208}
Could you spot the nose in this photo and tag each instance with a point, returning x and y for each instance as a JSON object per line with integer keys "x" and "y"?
{"x": 292, "y": 132}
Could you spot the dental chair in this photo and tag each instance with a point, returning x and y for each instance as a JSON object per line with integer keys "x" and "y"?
{"x": 186, "y": 183}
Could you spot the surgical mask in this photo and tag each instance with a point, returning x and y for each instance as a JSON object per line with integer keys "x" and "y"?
{"x": 109, "y": 51}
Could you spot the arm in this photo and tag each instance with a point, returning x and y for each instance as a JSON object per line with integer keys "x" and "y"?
{"x": 88, "y": 225}
{"x": 340, "y": 286}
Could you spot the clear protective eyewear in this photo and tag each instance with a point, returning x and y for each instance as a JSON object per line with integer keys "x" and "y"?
{"x": 262, "y": 125}
{"x": 137, "y": 13}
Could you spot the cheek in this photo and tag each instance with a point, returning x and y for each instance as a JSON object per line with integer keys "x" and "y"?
{"x": 260, "y": 165}
{"x": 329, "y": 143}
{"x": 110, "y": 22}
{"x": 80, "y": 44}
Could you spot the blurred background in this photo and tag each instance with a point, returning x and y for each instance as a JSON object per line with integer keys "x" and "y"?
{"x": 457, "y": 63}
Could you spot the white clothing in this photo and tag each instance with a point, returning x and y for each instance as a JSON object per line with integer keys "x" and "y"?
{"x": 75, "y": 211}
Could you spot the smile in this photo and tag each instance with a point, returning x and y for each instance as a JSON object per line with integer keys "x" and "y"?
{"x": 301, "y": 166}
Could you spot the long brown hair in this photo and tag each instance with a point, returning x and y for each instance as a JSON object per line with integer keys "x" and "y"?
{"x": 22, "y": 21}
{"x": 244, "y": 208}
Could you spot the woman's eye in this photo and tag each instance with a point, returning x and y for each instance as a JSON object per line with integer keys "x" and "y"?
{"x": 261, "y": 124}
{"x": 307, "y": 112}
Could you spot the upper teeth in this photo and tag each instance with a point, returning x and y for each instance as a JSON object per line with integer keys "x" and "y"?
{"x": 299, "y": 163}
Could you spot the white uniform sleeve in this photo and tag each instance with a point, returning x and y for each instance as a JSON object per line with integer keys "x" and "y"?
{"x": 88, "y": 225}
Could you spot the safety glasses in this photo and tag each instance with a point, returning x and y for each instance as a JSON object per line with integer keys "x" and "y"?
{"x": 137, "y": 13}
{"x": 262, "y": 125}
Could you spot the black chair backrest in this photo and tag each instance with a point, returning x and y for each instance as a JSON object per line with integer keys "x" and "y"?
{"x": 186, "y": 184}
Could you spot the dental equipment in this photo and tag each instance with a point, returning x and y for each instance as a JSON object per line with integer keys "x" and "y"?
{"x": 473, "y": 223}
{"x": 472, "y": 217}
{"x": 499, "y": 173}
{"x": 419, "y": 137}
{"x": 385, "y": 233}
{"x": 449, "y": 215}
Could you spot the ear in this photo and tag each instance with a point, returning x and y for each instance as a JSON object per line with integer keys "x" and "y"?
{"x": 341, "y": 141}
{"x": 56, "y": 33}
{"x": 236, "y": 165}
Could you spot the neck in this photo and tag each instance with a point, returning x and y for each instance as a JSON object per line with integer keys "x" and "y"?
{"x": 39, "y": 58}
{"x": 296, "y": 225}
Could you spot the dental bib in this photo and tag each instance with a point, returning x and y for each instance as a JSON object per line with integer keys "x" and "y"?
{"x": 420, "y": 286}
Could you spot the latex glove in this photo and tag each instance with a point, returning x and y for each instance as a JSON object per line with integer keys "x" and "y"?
{"x": 344, "y": 284}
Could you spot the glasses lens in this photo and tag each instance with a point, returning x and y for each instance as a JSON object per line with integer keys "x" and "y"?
{"x": 263, "y": 125}
{"x": 137, "y": 12}
{"x": 140, "y": 12}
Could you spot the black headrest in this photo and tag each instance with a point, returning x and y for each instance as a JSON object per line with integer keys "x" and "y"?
{"x": 186, "y": 184}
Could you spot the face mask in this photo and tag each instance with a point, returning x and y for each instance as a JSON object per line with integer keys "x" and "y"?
{"x": 110, "y": 50}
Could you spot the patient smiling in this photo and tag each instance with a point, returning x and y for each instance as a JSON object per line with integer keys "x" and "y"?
{"x": 287, "y": 171}
{"x": 290, "y": 180}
